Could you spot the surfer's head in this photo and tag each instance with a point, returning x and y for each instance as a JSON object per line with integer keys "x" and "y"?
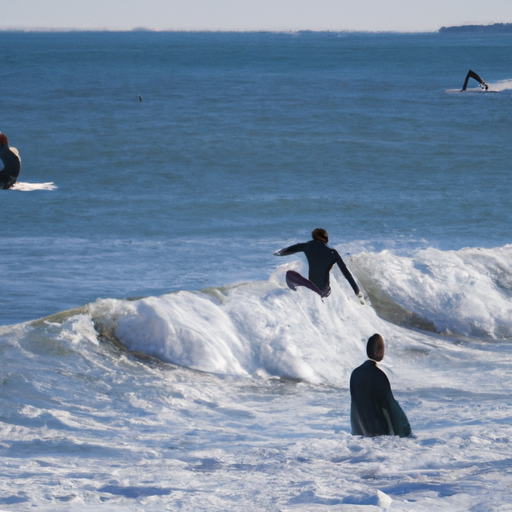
{"x": 375, "y": 347}
{"x": 3, "y": 140}
{"x": 320, "y": 235}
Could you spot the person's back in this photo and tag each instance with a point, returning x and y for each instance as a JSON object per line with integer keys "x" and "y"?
{"x": 374, "y": 411}
{"x": 321, "y": 259}
{"x": 12, "y": 164}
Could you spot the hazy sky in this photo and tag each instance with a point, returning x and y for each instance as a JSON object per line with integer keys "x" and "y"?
{"x": 286, "y": 15}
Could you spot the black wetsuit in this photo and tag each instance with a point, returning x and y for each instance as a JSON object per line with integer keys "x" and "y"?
{"x": 12, "y": 166}
{"x": 321, "y": 259}
{"x": 374, "y": 411}
{"x": 472, "y": 74}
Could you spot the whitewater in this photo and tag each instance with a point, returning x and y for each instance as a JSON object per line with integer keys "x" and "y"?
{"x": 238, "y": 397}
{"x": 153, "y": 357}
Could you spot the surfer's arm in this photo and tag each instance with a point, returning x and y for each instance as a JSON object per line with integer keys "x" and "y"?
{"x": 289, "y": 250}
{"x": 348, "y": 276}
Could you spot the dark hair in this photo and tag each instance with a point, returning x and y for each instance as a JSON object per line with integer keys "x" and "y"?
{"x": 320, "y": 235}
{"x": 375, "y": 347}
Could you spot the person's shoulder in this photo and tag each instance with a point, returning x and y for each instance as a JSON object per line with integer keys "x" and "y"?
{"x": 367, "y": 366}
{"x": 382, "y": 375}
{"x": 331, "y": 250}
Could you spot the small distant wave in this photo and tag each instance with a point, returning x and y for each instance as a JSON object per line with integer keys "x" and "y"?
{"x": 29, "y": 187}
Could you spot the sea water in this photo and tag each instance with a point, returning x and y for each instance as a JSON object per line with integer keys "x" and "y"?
{"x": 153, "y": 357}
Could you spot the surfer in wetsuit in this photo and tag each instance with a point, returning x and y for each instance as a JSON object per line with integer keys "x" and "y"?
{"x": 12, "y": 164}
{"x": 472, "y": 74}
{"x": 321, "y": 259}
{"x": 374, "y": 410}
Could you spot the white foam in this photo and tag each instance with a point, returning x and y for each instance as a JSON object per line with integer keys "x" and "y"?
{"x": 264, "y": 328}
{"x": 30, "y": 187}
{"x": 464, "y": 292}
{"x": 502, "y": 85}
{"x": 78, "y": 329}
{"x": 86, "y": 425}
{"x": 256, "y": 329}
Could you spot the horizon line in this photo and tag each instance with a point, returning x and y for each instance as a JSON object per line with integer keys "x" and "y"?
{"x": 242, "y": 31}
{"x": 451, "y": 28}
{"x": 225, "y": 31}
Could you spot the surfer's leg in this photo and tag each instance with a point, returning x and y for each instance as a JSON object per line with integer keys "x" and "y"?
{"x": 294, "y": 279}
{"x": 326, "y": 292}
{"x": 6, "y": 180}
{"x": 6, "y": 184}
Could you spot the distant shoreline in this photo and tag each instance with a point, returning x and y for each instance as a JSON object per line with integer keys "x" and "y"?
{"x": 497, "y": 28}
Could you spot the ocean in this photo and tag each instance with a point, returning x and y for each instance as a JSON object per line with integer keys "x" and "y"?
{"x": 153, "y": 356}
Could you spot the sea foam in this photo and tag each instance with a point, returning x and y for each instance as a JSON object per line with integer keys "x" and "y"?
{"x": 258, "y": 328}
{"x": 465, "y": 292}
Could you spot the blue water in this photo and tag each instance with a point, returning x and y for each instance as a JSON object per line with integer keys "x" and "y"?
{"x": 186, "y": 375}
{"x": 242, "y": 143}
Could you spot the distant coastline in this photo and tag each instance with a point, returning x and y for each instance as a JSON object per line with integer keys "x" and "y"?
{"x": 497, "y": 28}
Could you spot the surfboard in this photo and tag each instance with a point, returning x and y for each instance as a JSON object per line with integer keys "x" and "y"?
{"x": 472, "y": 90}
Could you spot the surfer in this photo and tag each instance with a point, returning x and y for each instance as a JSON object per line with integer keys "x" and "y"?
{"x": 374, "y": 410}
{"x": 12, "y": 164}
{"x": 472, "y": 74}
{"x": 321, "y": 259}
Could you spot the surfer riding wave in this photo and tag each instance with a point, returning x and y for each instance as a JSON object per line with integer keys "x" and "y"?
{"x": 472, "y": 74}
{"x": 321, "y": 259}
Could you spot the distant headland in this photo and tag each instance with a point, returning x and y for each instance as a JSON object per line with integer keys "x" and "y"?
{"x": 497, "y": 28}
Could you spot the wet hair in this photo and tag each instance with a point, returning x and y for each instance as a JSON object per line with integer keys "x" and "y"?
{"x": 375, "y": 347}
{"x": 3, "y": 140}
{"x": 320, "y": 235}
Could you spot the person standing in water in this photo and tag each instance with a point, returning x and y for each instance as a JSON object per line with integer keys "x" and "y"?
{"x": 321, "y": 259}
{"x": 12, "y": 164}
{"x": 374, "y": 410}
{"x": 472, "y": 74}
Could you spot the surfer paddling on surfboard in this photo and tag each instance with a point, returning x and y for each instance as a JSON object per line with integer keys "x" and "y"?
{"x": 472, "y": 74}
{"x": 321, "y": 259}
{"x": 12, "y": 164}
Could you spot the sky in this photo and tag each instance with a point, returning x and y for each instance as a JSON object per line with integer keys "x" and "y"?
{"x": 252, "y": 15}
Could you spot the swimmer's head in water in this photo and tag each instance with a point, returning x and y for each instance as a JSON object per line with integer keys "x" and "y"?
{"x": 3, "y": 140}
{"x": 320, "y": 235}
{"x": 375, "y": 347}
